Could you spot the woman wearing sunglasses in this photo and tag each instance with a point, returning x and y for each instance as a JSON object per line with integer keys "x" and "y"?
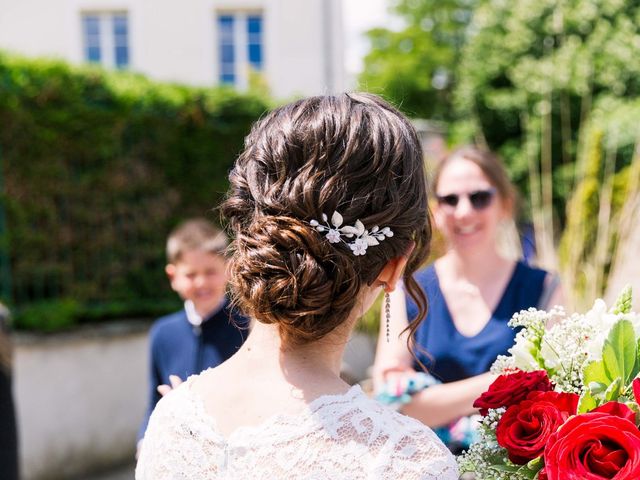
{"x": 473, "y": 290}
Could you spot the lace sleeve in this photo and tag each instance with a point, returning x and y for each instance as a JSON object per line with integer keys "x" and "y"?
{"x": 420, "y": 456}
{"x": 158, "y": 432}
{"x": 173, "y": 444}
{"x": 414, "y": 452}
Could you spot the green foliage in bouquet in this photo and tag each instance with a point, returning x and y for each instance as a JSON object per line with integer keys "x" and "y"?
{"x": 587, "y": 366}
{"x": 610, "y": 377}
{"x": 624, "y": 302}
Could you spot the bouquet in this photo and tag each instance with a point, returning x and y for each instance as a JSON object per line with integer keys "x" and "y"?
{"x": 565, "y": 405}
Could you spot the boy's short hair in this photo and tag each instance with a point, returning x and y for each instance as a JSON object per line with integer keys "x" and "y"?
{"x": 195, "y": 234}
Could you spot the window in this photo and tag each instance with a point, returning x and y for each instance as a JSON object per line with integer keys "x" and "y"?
{"x": 91, "y": 38}
{"x": 240, "y": 47}
{"x": 227, "y": 49}
{"x": 121, "y": 41}
{"x": 254, "y": 41}
{"x": 106, "y": 38}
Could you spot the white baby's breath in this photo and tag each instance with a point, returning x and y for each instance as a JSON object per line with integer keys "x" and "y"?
{"x": 503, "y": 364}
{"x": 562, "y": 345}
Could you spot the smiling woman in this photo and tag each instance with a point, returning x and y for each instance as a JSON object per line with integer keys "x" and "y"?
{"x": 473, "y": 290}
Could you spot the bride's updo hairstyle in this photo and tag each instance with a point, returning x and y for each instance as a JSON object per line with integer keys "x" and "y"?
{"x": 351, "y": 153}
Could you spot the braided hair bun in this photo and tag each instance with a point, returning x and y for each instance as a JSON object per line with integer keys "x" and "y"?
{"x": 351, "y": 153}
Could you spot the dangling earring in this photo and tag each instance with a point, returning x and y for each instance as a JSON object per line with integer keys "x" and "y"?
{"x": 387, "y": 312}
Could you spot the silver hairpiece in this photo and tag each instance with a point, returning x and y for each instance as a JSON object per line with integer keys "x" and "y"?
{"x": 363, "y": 237}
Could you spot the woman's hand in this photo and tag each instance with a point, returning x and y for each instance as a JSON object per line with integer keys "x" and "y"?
{"x": 393, "y": 379}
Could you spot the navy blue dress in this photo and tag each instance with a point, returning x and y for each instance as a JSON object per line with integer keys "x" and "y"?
{"x": 179, "y": 348}
{"x": 451, "y": 356}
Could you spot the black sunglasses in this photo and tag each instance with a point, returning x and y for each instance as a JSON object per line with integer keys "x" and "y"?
{"x": 480, "y": 199}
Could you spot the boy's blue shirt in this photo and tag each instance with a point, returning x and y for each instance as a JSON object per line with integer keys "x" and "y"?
{"x": 179, "y": 348}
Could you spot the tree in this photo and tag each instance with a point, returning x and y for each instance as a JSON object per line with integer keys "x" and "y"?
{"x": 533, "y": 76}
{"x": 415, "y": 67}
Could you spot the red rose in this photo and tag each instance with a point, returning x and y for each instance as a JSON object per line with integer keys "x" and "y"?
{"x": 636, "y": 389}
{"x": 566, "y": 402}
{"x": 594, "y": 446}
{"x": 512, "y": 388}
{"x": 525, "y": 428}
{"x": 618, "y": 409}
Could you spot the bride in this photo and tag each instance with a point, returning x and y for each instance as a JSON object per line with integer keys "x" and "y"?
{"x": 327, "y": 207}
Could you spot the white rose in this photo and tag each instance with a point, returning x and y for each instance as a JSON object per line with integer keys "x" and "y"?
{"x": 597, "y": 316}
{"x": 521, "y": 353}
{"x": 549, "y": 353}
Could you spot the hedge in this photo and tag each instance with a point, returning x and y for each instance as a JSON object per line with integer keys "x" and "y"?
{"x": 96, "y": 168}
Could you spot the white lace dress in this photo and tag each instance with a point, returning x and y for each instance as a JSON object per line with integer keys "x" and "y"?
{"x": 338, "y": 437}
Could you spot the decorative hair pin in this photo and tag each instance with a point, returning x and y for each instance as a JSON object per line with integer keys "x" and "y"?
{"x": 363, "y": 237}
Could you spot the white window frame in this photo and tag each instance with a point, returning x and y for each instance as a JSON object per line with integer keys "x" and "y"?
{"x": 107, "y": 37}
{"x": 240, "y": 44}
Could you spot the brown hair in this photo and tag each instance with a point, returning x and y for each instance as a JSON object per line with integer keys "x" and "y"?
{"x": 195, "y": 234}
{"x": 491, "y": 166}
{"x": 351, "y": 153}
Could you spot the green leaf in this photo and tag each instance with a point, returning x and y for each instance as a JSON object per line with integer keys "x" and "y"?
{"x": 636, "y": 368}
{"x": 624, "y": 301}
{"x": 506, "y": 468}
{"x": 613, "y": 392}
{"x": 521, "y": 471}
{"x": 635, "y": 407}
{"x": 595, "y": 372}
{"x": 586, "y": 403}
{"x": 597, "y": 388}
{"x": 535, "y": 465}
{"x": 530, "y": 474}
{"x": 619, "y": 351}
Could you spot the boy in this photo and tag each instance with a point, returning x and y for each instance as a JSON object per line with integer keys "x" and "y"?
{"x": 206, "y": 332}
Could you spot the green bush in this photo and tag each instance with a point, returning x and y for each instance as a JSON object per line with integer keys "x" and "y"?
{"x": 49, "y": 316}
{"x": 97, "y": 167}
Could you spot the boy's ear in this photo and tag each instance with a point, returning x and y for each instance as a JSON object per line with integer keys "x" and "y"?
{"x": 170, "y": 270}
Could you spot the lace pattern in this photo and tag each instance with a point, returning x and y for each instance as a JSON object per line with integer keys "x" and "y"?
{"x": 338, "y": 437}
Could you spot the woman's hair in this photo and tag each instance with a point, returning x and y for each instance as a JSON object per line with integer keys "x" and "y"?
{"x": 491, "y": 166}
{"x": 351, "y": 153}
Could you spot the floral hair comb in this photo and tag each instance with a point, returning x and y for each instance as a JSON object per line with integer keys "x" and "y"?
{"x": 359, "y": 238}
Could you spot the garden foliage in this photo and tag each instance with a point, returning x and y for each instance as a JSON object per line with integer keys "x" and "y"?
{"x": 415, "y": 67}
{"x": 553, "y": 86}
{"x": 97, "y": 167}
{"x": 532, "y": 71}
